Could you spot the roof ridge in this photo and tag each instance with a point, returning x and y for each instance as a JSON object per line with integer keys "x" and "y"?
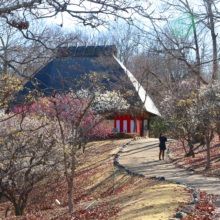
{"x": 87, "y": 51}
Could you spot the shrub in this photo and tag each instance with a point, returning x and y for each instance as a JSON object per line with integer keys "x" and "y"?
{"x": 124, "y": 135}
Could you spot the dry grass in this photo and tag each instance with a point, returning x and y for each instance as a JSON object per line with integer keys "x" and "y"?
{"x": 152, "y": 200}
{"x": 140, "y": 198}
{"x": 133, "y": 197}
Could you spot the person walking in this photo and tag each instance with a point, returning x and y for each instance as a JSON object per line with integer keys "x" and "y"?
{"x": 162, "y": 145}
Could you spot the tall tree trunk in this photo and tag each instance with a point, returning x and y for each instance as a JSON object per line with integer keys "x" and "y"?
{"x": 198, "y": 62}
{"x": 211, "y": 26}
{"x": 73, "y": 167}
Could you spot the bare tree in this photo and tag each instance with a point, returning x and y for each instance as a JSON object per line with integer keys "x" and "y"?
{"x": 29, "y": 56}
{"x": 211, "y": 23}
{"x": 128, "y": 41}
{"x": 182, "y": 34}
{"x": 29, "y": 154}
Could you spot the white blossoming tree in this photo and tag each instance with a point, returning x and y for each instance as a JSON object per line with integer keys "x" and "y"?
{"x": 205, "y": 111}
{"x": 175, "y": 112}
{"x": 189, "y": 112}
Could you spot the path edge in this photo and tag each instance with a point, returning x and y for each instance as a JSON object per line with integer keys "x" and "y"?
{"x": 194, "y": 192}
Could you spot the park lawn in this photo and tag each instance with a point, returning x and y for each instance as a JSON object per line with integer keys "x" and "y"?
{"x": 126, "y": 197}
{"x": 177, "y": 154}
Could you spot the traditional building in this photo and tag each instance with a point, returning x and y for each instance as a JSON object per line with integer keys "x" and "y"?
{"x": 73, "y": 62}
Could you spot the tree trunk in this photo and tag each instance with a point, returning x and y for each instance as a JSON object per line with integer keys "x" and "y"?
{"x": 70, "y": 185}
{"x": 19, "y": 210}
{"x": 208, "y": 154}
{"x": 209, "y": 136}
{"x": 80, "y": 145}
{"x": 184, "y": 147}
{"x": 211, "y": 26}
{"x": 191, "y": 146}
{"x": 73, "y": 167}
{"x": 6, "y": 212}
{"x": 191, "y": 150}
{"x": 5, "y": 64}
{"x": 218, "y": 131}
{"x": 135, "y": 124}
{"x": 70, "y": 196}
{"x": 198, "y": 62}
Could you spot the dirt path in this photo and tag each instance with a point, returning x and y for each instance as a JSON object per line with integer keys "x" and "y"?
{"x": 141, "y": 156}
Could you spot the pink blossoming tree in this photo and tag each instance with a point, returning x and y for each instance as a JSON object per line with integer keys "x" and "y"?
{"x": 75, "y": 122}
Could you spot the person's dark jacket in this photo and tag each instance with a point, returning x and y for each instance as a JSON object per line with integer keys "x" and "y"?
{"x": 162, "y": 143}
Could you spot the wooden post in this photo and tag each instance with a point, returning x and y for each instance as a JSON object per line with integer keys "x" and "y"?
{"x": 142, "y": 127}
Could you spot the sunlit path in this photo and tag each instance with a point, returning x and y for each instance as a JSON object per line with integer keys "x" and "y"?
{"x": 141, "y": 156}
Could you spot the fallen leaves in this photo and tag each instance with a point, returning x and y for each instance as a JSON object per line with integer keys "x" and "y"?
{"x": 93, "y": 180}
{"x": 205, "y": 210}
{"x": 199, "y": 162}
{"x": 133, "y": 197}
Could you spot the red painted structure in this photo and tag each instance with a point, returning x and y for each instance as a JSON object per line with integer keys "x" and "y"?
{"x": 125, "y": 123}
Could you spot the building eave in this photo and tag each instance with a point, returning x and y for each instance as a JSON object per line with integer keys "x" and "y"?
{"x": 145, "y": 98}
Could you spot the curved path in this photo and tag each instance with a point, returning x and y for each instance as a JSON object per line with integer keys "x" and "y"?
{"x": 141, "y": 157}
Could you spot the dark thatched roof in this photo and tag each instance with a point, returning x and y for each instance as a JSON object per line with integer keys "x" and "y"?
{"x": 73, "y": 63}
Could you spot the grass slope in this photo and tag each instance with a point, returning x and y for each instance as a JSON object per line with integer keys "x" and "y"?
{"x": 109, "y": 192}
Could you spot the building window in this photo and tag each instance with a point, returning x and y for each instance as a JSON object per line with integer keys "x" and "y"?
{"x": 125, "y": 126}
{"x": 118, "y": 125}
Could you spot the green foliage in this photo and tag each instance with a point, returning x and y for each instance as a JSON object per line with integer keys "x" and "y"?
{"x": 157, "y": 126}
{"x": 168, "y": 126}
